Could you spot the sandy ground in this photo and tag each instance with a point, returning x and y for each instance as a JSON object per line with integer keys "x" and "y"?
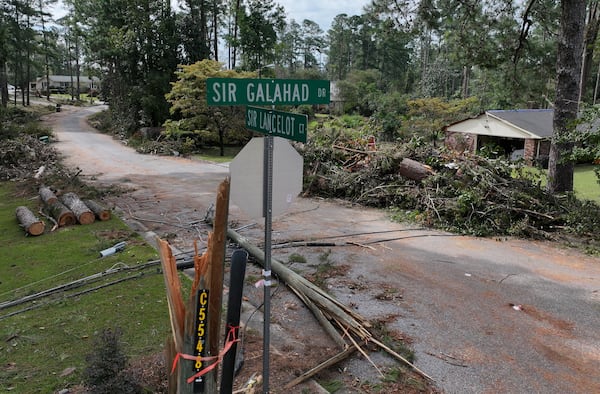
{"x": 482, "y": 315}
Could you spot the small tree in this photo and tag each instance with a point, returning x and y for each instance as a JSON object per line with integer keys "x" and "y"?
{"x": 191, "y": 115}
{"x": 106, "y": 363}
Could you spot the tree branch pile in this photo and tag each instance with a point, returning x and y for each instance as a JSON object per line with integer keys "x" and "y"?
{"x": 467, "y": 194}
{"x": 22, "y": 156}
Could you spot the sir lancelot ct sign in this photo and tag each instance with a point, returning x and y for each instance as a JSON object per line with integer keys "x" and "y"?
{"x": 241, "y": 91}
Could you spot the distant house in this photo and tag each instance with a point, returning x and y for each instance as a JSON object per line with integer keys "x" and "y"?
{"x": 63, "y": 84}
{"x": 522, "y": 133}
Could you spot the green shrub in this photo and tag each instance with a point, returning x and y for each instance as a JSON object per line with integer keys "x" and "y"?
{"x": 106, "y": 363}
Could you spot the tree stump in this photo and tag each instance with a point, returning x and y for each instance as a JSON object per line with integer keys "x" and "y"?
{"x": 47, "y": 195}
{"x": 83, "y": 214}
{"x": 100, "y": 212}
{"x": 29, "y": 221}
{"x": 414, "y": 170}
{"x": 62, "y": 214}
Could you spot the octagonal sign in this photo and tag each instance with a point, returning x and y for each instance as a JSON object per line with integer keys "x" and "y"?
{"x": 246, "y": 171}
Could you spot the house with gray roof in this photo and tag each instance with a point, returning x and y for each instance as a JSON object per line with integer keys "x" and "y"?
{"x": 64, "y": 84}
{"x": 517, "y": 133}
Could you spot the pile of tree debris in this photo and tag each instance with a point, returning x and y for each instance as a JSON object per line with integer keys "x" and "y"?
{"x": 463, "y": 193}
{"x": 23, "y": 156}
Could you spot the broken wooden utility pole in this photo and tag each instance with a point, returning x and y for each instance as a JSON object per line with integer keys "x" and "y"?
{"x": 194, "y": 348}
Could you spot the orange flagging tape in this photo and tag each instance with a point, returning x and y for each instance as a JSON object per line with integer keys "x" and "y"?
{"x": 231, "y": 339}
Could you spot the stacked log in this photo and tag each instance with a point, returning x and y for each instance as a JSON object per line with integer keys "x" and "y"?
{"x": 47, "y": 195}
{"x": 63, "y": 215}
{"x": 30, "y": 223}
{"x": 83, "y": 214}
{"x": 101, "y": 212}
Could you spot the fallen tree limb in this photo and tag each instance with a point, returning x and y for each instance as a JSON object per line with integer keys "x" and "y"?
{"x": 324, "y": 365}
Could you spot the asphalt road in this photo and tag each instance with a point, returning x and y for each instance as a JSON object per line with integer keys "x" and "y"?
{"x": 483, "y": 315}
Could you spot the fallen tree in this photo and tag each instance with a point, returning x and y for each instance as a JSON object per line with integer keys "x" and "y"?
{"x": 462, "y": 193}
{"x": 29, "y": 221}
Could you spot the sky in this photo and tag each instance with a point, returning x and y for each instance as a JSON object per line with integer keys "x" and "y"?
{"x": 320, "y": 11}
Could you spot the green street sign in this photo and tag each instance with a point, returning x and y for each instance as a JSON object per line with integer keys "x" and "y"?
{"x": 244, "y": 91}
{"x": 279, "y": 124}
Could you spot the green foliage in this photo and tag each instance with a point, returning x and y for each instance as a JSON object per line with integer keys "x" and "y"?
{"x": 427, "y": 117}
{"x": 193, "y": 118}
{"x": 106, "y": 365}
{"x": 359, "y": 89}
{"x": 389, "y": 111}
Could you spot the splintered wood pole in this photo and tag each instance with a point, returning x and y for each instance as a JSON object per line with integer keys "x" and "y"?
{"x": 196, "y": 326}
{"x": 214, "y": 276}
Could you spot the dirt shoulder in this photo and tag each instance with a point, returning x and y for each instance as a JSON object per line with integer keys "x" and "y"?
{"x": 481, "y": 315}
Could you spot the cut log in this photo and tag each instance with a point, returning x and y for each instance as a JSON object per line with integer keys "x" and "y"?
{"x": 83, "y": 214}
{"x": 29, "y": 221}
{"x": 47, "y": 195}
{"x": 414, "y": 170}
{"x": 63, "y": 215}
{"x": 100, "y": 212}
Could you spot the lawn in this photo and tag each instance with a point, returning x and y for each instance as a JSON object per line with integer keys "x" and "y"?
{"x": 43, "y": 349}
{"x": 213, "y": 153}
{"x": 585, "y": 182}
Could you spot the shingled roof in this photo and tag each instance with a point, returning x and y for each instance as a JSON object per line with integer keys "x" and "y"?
{"x": 519, "y": 124}
{"x": 535, "y": 121}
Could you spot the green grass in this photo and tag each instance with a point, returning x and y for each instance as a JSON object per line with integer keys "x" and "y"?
{"x": 213, "y": 154}
{"x": 36, "y": 346}
{"x": 585, "y": 182}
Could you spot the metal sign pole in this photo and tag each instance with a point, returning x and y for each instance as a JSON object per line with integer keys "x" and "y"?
{"x": 268, "y": 204}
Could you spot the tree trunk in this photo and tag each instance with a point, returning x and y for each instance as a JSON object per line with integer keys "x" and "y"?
{"x": 590, "y": 35}
{"x": 47, "y": 196}
{"x": 83, "y": 214}
{"x": 414, "y": 170}
{"x": 568, "y": 70}
{"x": 29, "y": 221}
{"x": 101, "y": 212}
{"x": 62, "y": 214}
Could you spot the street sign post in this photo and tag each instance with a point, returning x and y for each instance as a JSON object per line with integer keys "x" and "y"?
{"x": 246, "y": 171}
{"x": 239, "y": 91}
{"x": 279, "y": 124}
{"x": 245, "y": 91}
